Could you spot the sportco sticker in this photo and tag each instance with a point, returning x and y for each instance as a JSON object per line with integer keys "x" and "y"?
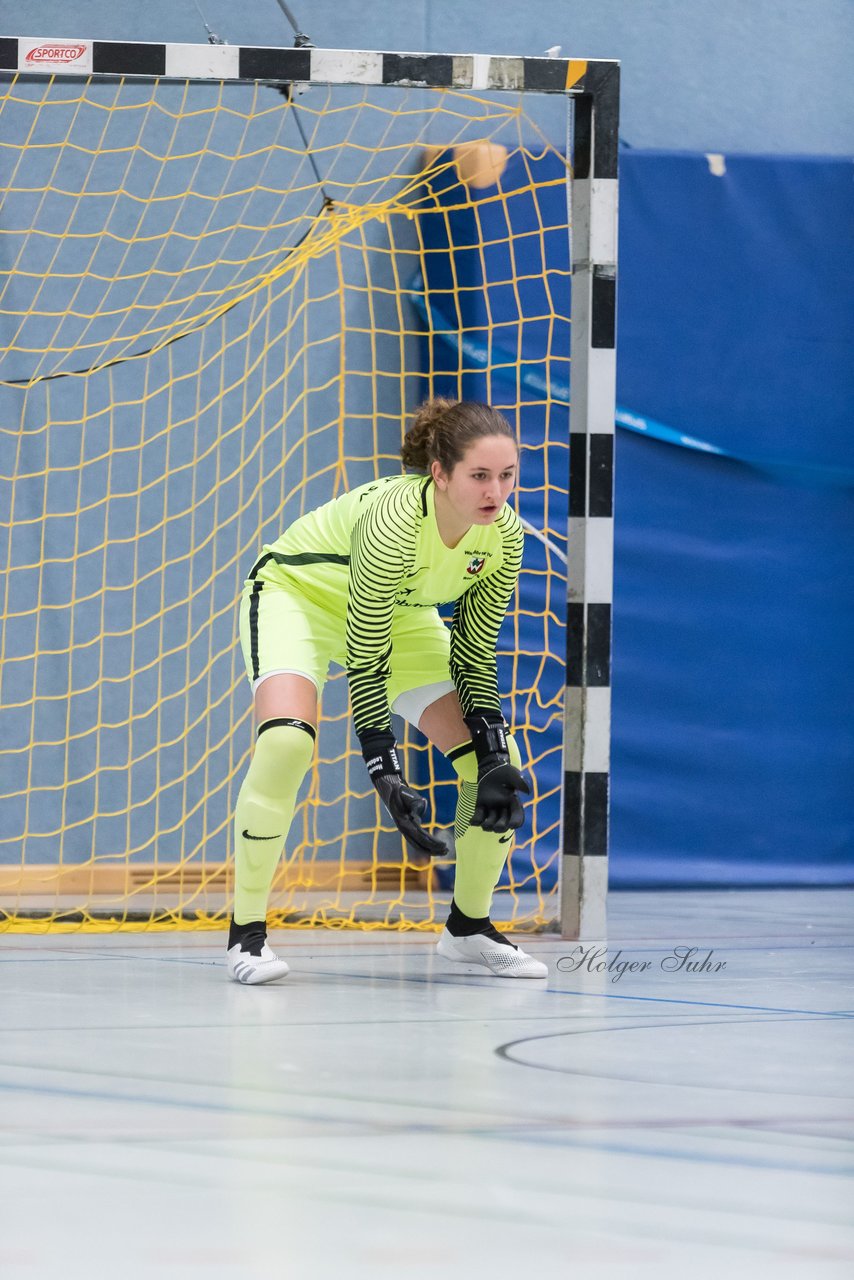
{"x": 58, "y": 53}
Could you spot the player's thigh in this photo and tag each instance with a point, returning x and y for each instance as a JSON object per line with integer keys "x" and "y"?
{"x": 420, "y": 686}
{"x": 442, "y": 723}
{"x": 286, "y": 696}
{"x": 287, "y": 644}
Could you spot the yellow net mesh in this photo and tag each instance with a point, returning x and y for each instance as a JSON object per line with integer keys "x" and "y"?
{"x": 207, "y": 331}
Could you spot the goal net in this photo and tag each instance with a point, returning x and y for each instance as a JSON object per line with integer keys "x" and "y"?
{"x": 220, "y": 302}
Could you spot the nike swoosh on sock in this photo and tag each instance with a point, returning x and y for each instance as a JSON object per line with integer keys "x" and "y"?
{"x": 246, "y": 836}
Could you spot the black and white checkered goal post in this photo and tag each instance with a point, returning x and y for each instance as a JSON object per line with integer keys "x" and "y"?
{"x": 590, "y": 578}
{"x": 592, "y": 90}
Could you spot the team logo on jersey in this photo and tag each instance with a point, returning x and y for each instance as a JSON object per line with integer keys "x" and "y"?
{"x": 475, "y": 564}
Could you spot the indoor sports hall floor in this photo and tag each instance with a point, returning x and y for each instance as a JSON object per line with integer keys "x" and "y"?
{"x": 381, "y": 1114}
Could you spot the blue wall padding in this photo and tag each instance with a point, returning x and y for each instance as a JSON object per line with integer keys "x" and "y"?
{"x": 732, "y": 759}
{"x": 736, "y": 292}
{"x": 733, "y": 628}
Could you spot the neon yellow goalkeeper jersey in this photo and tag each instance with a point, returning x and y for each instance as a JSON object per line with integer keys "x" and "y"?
{"x": 376, "y": 551}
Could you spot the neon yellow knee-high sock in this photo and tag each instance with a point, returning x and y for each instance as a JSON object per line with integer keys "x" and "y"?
{"x": 480, "y": 854}
{"x": 265, "y": 808}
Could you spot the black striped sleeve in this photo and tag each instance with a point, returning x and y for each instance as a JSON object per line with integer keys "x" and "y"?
{"x": 382, "y": 549}
{"x": 478, "y": 615}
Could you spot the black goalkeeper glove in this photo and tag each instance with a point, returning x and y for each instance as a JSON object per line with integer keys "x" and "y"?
{"x": 498, "y": 806}
{"x": 404, "y": 806}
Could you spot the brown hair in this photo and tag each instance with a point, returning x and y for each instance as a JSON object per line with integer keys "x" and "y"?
{"x": 442, "y": 430}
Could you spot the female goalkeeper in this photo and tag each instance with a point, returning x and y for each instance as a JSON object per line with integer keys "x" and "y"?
{"x": 357, "y": 582}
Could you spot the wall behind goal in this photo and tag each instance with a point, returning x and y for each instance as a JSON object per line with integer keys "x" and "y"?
{"x": 733, "y": 624}
{"x": 715, "y": 75}
{"x": 733, "y": 628}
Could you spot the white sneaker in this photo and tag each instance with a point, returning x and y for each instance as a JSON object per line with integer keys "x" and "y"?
{"x": 491, "y": 951}
{"x": 251, "y": 961}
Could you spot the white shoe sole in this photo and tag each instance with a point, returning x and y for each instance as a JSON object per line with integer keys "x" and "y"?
{"x": 500, "y": 961}
{"x": 250, "y": 971}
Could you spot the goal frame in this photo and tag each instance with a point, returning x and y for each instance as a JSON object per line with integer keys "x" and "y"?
{"x": 592, "y": 91}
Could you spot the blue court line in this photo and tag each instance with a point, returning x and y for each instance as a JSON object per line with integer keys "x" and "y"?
{"x": 703, "y": 1004}
{"x": 286, "y": 1023}
{"x": 734, "y": 1238}
{"x": 490, "y": 981}
{"x": 27, "y": 955}
{"x": 488, "y": 1132}
{"x": 562, "y": 991}
{"x": 673, "y": 1153}
{"x": 225, "y": 1108}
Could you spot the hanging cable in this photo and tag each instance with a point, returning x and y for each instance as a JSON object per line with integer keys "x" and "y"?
{"x": 301, "y": 40}
{"x": 213, "y": 38}
{"x": 286, "y": 88}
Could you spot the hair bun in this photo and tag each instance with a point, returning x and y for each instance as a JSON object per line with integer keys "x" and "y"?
{"x": 442, "y": 429}
{"x": 430, "y": 412}
{"x": 418, "y": 445}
